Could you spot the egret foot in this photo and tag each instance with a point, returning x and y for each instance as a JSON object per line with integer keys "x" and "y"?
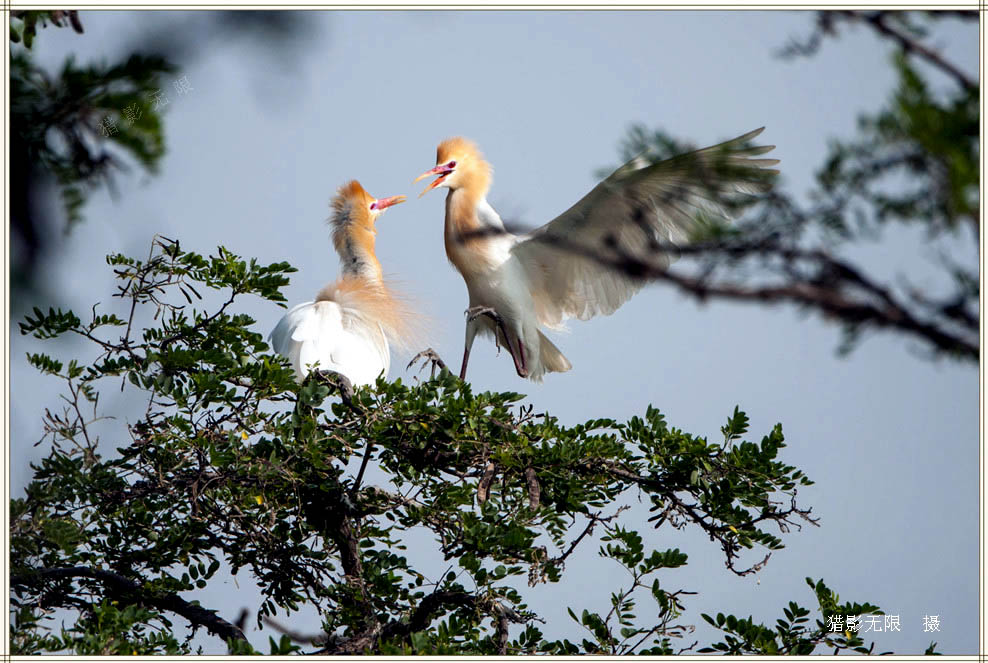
{"x": 475, "y": 312}
{"x": 429, "y": 356}
{"x": 337, "y": 380}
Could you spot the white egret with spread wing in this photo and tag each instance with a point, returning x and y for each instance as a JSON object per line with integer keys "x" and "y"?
{"x": 519, "y": 283}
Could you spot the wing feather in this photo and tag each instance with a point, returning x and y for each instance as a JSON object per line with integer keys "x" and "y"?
{"x": 638, "y": 208}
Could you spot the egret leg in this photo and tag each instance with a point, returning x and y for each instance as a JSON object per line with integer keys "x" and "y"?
{"x": 463, "y": 366}
{"x": 523, "y": 370}
{"x": 471, "y": 334}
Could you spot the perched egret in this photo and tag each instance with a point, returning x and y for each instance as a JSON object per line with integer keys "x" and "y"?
{"x": 348, "y": 326}
{"x": 517, "y": 283}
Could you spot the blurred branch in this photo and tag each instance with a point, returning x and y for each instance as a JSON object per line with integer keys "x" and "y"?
{"x": 814, "y": 278}
{"x": 912, "y": 45}
{"x": 879, "y": 21}
{"x": 296, "y": 636}
{"x": 827, "y": 292}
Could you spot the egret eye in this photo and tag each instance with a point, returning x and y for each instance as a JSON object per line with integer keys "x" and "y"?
{"x": 373, "y": 205}
{"x": 451, "y": 164}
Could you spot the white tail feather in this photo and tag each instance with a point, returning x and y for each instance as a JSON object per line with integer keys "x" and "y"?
{"x": 551, "y": 359}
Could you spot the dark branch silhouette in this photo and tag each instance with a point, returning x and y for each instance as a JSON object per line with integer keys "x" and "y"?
{"x": 127, "y": 590}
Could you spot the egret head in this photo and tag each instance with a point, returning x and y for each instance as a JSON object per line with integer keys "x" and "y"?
{"x": 458, "y": 162}
{"x": 352, "y": 204}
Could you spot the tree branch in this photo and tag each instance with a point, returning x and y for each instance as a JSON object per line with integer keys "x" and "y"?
{"x": 130, "y": 590}
{"x": 913, "y": 45}
{"x": 908, "y": 43}
{"x": 689, "y": 511}
{"x": 417, "y": 621}
{"x": 592, "y": 520}
{"x": 831, "y": 301}
{"x": 822, "y": 290}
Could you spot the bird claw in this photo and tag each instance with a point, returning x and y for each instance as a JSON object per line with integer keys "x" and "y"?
{"x": 428, "y": 356}
{"x": 475, "y": 312}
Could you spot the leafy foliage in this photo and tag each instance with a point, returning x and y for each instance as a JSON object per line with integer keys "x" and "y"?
{"x": 234, "y": 467}
{"x": 104, "y": 630}
{"x": 792, "y": 635}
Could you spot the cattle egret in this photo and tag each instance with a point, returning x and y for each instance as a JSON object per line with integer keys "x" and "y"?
{"x": 517, "y": 283}
{"x": 347, "y": 328}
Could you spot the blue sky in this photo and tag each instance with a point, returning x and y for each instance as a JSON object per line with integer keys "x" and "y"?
{"x": 259, "y": 144}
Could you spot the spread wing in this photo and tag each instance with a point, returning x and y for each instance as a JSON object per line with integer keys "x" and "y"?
{"x": 333, "y": 336}
{"x": 637, "y": 209}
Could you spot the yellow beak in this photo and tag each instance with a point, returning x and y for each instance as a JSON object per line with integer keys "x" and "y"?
{"x": 384, "y": 203}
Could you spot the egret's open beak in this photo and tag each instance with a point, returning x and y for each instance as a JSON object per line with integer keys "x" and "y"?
{"x": 442, "y": 171}
{"x": 384, "y": 203}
